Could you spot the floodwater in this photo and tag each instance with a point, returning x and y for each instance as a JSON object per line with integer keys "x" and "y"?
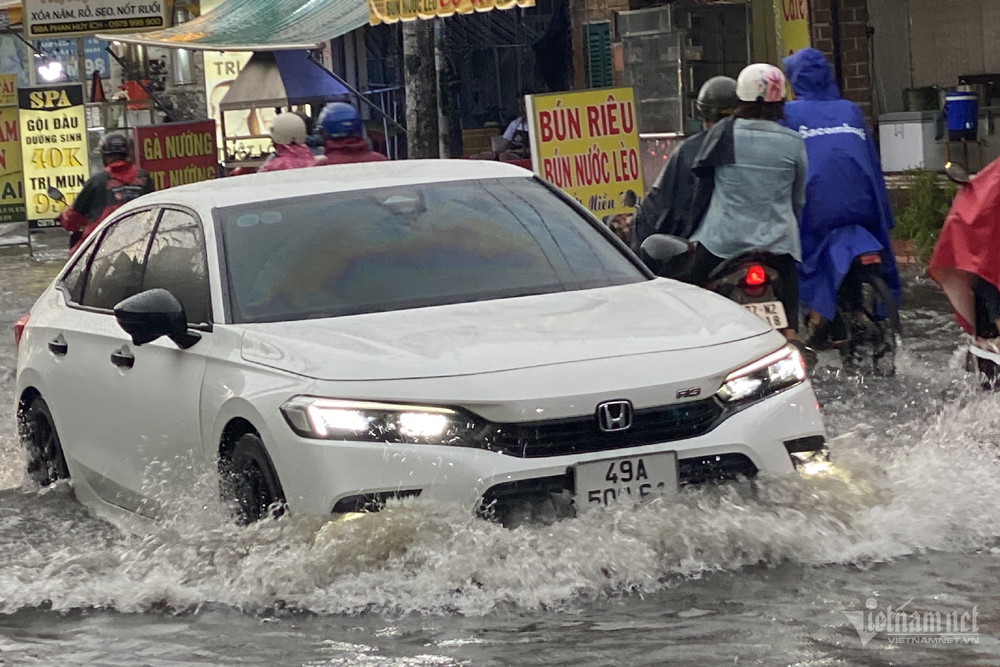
{"x": 806, "y": 571}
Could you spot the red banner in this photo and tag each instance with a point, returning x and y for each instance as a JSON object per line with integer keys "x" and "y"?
{"x": 177, "y": 153}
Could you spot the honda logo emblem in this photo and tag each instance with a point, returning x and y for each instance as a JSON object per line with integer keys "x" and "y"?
{"x": 614, "y": 416}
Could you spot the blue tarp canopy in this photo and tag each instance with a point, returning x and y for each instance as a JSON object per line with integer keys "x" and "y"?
{"x": 281, "y": 79}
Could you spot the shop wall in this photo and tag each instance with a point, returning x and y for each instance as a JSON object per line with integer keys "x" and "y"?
{"x": 841, "y": 32}
{"x": 954, "y": 38}
{"x": 590, "y": 11}
{"x": 891, "y": 74}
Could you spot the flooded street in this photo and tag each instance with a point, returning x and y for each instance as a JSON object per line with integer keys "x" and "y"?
{"x": 887, "y": 558}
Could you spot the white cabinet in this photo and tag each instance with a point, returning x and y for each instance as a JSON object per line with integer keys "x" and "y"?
{"x": 907, "y": 141}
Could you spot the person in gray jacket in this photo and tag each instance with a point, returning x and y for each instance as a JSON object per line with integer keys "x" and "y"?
{"x": 752, "y": 186}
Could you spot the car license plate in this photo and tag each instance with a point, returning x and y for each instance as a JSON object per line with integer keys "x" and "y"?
{"x": 636, "y": 478}
{"x": 771, "y": 312}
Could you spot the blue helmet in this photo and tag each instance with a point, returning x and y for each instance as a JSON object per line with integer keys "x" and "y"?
{"x": 339, "y": 119}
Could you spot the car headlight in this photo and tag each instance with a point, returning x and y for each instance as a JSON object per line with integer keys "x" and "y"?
{"x": 370, "y": 421}
{"x": 779, "y": 370}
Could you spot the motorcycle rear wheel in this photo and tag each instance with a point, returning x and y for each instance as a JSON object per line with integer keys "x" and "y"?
{"x": 871, "y": 321}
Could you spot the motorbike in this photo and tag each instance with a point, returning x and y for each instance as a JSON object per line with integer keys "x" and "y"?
{"x": 866, "y": 328}
{"x": 973, "y": 210}
{"x": 750, "y": 279}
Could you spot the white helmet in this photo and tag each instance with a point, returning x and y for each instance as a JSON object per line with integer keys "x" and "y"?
{"x": 288, "y": 128}
{"x": 760, "y": 82}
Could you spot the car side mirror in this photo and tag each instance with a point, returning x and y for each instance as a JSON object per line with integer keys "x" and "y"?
{"x": 957, "y": 173}
{"x": 659, "y": 251}
{"x": 149, "y": 315}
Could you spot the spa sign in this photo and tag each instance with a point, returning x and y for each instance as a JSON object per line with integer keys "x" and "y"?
{"x": 53, "y": 146}
{"x": 48, "y": 18}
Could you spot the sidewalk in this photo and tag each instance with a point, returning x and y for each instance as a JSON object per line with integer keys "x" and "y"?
{"x": 48, "y": 244}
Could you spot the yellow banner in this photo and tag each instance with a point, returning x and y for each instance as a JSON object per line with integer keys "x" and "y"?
{"x": 793, "y": 25}
{"x": 8, "y": 90}
{"x": 587, "y": 143}
{"x": 390, "y": 11}
{"x": 11, "y": 181}
{"x": 53, "y": 146}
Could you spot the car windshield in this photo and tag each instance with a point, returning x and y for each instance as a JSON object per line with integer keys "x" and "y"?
{"x": 410, "y": 246}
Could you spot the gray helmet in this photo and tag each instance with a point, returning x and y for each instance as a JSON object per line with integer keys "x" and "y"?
{"x": 717, "y": 98}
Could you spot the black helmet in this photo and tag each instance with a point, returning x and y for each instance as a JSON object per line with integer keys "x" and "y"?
{"x": 114, "y": 144}
{"x": 717, "y": 98}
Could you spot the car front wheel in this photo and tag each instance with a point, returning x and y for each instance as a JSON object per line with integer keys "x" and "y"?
{"x": 249, "y": 481}
{"x": 46, "y": 463}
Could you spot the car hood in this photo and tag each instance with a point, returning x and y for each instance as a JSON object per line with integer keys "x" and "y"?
{"x": 654, "y": 316}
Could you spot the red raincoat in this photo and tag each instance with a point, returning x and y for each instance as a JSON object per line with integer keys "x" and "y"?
{"x": 292, "y": 156}
{"x": 119, "y": 183}
{"x": 969, "y": 243}
{"x": 345, "y": 150}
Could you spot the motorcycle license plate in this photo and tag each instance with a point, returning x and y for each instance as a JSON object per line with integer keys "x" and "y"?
{"x": 771, "y": 312}
{"x": 635, "y": 478}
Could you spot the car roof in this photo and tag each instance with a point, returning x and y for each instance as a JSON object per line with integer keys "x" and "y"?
{"x": 235, "y": 190}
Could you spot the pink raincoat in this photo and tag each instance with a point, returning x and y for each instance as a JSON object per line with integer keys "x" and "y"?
{"x": 290, "y": 156}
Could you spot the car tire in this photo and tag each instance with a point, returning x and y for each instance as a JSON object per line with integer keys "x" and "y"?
{"x": 46, "y": 463}
{"x": 250, "y": 482}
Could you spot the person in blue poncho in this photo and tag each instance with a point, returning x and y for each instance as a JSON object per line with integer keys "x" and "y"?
{"x": 847, "y": 209}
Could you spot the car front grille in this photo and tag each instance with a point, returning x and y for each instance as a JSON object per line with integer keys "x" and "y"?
{"x": 581, "y": 435}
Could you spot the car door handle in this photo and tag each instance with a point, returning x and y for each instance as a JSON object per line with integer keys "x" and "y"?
{"x": 122, "y": 358}
{"x": 58, "y": 345}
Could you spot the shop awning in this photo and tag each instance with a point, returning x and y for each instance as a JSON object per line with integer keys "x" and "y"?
{"x": 258, "y": 25}
{"x": 390, "y": 11}
{"x": 280, "y": 79}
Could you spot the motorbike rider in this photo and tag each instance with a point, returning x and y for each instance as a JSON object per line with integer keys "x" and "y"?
{"x": 965, "y": 262}
{"x": 120, "y": 182}
{"x": 288, "y": 134}
{"x": 665, "y": 208}
{"x": 343, "y": 137}
{"x": 313, "y": 140}
{"x": 847, "y": 211}
{"x": 751, "y": 186}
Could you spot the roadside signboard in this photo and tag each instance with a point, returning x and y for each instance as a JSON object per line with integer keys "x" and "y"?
{"x": 246, "y": 129}
{"x": 177, "y": 153}
{"x": 11, "y": 183}
{"x": 52, "y": 18}
{"x": 53, "y": 146}
{"x": 587, "y": 143}
{"x": 793, "y": 24}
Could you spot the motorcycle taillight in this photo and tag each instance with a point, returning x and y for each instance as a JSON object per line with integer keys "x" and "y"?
{"x": 870, "y": 258}
{"x": 756, "y": 276}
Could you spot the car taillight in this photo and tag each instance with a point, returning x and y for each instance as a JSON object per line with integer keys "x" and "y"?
{"x": 756, "y": 275}
{"x": 19, "y": 328}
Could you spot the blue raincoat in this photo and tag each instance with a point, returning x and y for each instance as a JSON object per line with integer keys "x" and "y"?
{"x": 847, "y": 206}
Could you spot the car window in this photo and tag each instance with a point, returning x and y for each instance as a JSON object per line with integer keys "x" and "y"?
{"x": 74, "y": 279}
{"x": 411, "y": 246}
{"x": 177, "y": 263}
{"x": 116, "y": 269}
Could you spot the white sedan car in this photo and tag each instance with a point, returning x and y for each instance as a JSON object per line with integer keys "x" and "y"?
{"x": 331, "y": 338}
